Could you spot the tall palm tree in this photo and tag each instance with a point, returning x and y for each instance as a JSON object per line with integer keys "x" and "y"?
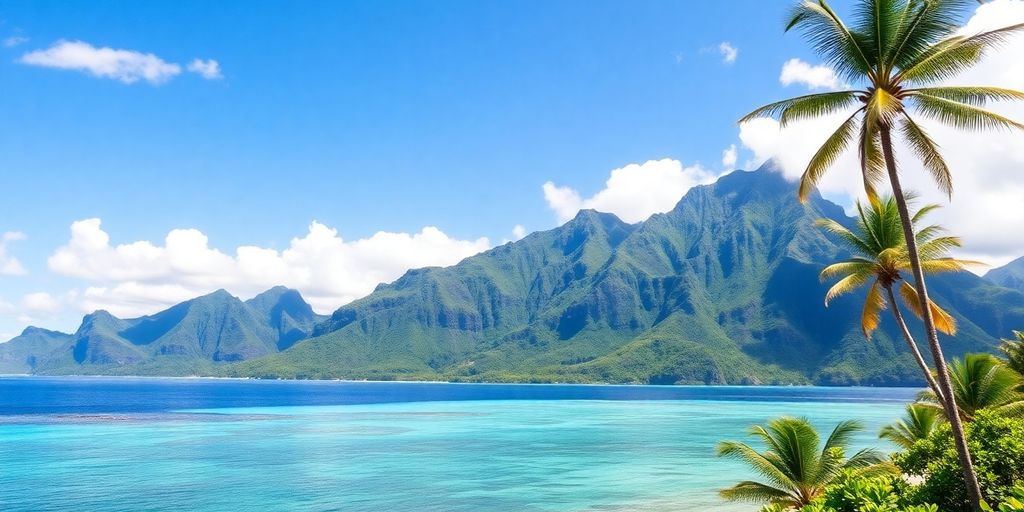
{"x": 796, "y": 466}
{"x": 896, "y": 54}
{"x": 880, "y": 258}
{"x": 983, "y": 381}
{"x": 1014, "y": 350}
{"x": 920, "y": 422}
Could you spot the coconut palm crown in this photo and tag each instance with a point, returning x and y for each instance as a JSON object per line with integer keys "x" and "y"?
{"x": 897, "y": 53}
{"x": 796, "y": 466}
{"x": 880, "y": 260}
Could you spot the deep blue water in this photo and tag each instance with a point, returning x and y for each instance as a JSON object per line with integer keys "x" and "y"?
{"x": 93, "y": 395}
{"x": 133, "y": 444}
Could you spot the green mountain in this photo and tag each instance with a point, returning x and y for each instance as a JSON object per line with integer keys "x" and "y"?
{"x": 20, "y": 355}
{"x": 722, "y": 289}
{"x": 190, "y": 338}
{"x": 1010, "y": 275}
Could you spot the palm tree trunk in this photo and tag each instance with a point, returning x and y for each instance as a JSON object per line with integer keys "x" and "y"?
{"x": 945, "y": 384}
{"x": 913, "y": 348}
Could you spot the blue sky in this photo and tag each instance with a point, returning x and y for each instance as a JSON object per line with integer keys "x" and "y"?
{"x": 362, "y": 116}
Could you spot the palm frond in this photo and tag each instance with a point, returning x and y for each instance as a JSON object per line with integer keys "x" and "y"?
{"x": 874, "y": 304}
{"x": 758, "y": 493}
{"x": 830, "y": 38}
{"x": 845, "y": 268}
{"x": 944, "y": 322}
{"x": 951, "y": 56}
{"x": 971, "y": 95}
{"x": 826, "y": 156}
{"x": 927, "y": 151}
{"x": 803, "y": 107}
{"x": 961, "y": 115}
{"x": 850, "y": 239}
{"x": 872, "y": 162}
{"x": 846, "y": 285}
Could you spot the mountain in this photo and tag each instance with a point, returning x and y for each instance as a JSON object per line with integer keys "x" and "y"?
{"x": 20, "y": 355}
{"x": 189, "y": 338}
{"x": 723, "y": 289}
{"x": 1010, "y": 276}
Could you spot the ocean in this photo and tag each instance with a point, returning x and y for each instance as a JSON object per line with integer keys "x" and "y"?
{"x": 134, "y": 444}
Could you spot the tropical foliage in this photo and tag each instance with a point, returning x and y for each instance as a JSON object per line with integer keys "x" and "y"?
{"x": 1014, "y": 350}
{"x": 897, "y": 55}
{"x": 920, "y": 422}
{"x": 796, "y": 467}
{"x": 997, "y": 442}
{"x": 983, "y": 381}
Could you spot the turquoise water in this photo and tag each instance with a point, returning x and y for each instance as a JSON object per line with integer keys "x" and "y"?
{"x": 522, "y": 455}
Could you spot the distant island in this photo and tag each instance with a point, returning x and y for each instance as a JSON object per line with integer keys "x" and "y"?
{"x": 720, "y": 290}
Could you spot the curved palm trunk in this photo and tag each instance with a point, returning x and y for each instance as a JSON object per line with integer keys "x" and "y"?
{"x": 913, "y": 348}
{"x": 945, "y": 384}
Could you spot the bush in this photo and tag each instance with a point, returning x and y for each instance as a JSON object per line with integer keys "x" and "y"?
{"x": 997, "y": 447}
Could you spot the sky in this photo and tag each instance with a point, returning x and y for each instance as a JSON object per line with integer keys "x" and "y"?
{"x": 154, "y": 151}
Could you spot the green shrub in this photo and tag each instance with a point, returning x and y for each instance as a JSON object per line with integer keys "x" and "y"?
{"x": 853, "y": 493}
{"x": 997, "y": 447}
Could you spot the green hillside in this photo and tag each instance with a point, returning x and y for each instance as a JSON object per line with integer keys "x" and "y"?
{"x": 191, "y": 338}
{"x": 721, "y": 290}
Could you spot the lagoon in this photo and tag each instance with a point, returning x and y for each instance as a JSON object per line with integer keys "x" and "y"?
{"x": 113, "y": 444}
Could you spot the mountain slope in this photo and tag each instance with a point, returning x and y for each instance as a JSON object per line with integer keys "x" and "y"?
{"x": 1010, "y": 275}
{"x": 191, "y": 337}
{"x": 722, "y": 289}
{"x": 20, "y": 355}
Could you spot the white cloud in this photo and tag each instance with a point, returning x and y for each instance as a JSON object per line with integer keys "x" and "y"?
{"x": 142, "y": 277}
{"x": 728, "y": 51}
{"x": 127, "y": 66}
{"x": 518, "y": 232}
{"x": 208, "y": 69}
{"x": 9, "y": 265}
{"x": 989, "y": 190}
{"x": 41, "y": 302}
{"x": 13, "y": 41}
{"x": 729, "y": 157}
{"x": 634, "y": 192}
{"x": 796, "y": 71}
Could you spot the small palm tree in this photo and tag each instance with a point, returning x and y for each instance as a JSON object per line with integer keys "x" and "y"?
{"x": 796, "y": 466}
{"x": 920, "y": 422}
{"x": 983, "y": 381}
{"x": 879, "y": 261}
{"x": 1014, "y": 350}
{"x": 896, "y": 55}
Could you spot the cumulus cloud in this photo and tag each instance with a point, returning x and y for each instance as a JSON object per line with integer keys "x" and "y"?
{"x": 634, "y": 192}
{"x": 796, "y": 71}
{"x": 986, "y": 206}
{"x": 41, "y": 302}
{"x": 518, "y": 232}
{"x": 126, "y": 66}
{"x": 208, "y": 69}
{"x": 729, "y": 156}
{"x": 11, "y": 42}
{"x": 728, "y": 52}
{"x": 9, "y": 265}
{"x": 141, "y": 277}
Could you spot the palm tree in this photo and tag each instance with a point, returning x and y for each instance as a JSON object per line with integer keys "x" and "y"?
{"x": 1014, "y": 351}
{"x": 896, "y": 53}
{"x": 795, "y": 465}
{"x": 983, "y": 381}
{"x": 920, "y": 422}
{"x": 880, "y": 258}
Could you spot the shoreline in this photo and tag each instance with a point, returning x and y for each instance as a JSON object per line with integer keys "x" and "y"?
{"x": 414, "y": 382}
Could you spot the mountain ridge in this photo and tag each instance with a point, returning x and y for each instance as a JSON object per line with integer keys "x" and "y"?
{"x": 721, "y": 289}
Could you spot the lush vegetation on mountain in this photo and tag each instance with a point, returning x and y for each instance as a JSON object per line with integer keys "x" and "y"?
{"x": 722, "y": 289}
{"x": 191, "y": 338}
